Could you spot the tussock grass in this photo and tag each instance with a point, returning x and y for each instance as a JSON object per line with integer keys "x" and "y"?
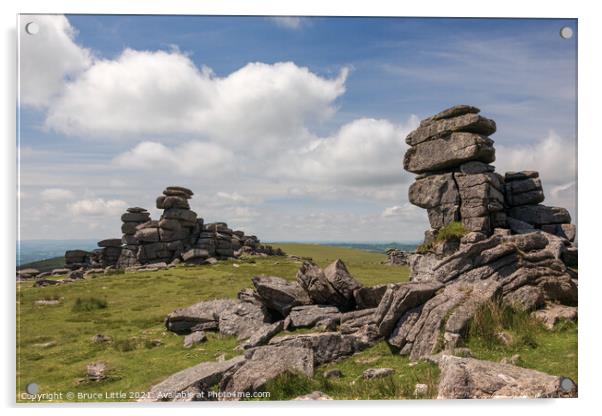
{"x": 351, "y": 386}
{"x": 551, "y": 351}
{"x": 88, "y": 304}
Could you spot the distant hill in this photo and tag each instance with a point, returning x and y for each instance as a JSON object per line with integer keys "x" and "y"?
{"x": 375, "y": 247}
{"x": 45, "y": 265}
{"x": 35, "y": 250}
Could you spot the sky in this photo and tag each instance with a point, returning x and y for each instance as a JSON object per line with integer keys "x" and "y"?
{"x": 290, "y": 128}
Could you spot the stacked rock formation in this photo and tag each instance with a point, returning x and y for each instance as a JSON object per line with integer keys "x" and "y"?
{"x": 451, "y": 153}
{"x": 178, "y": 235}
{"x": 515, "y": 251}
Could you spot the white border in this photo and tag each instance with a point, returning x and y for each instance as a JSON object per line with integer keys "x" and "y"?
{"x": 589, "y": 33}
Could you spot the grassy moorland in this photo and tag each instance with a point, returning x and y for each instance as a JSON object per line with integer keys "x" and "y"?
{"x": 54, "y": 341}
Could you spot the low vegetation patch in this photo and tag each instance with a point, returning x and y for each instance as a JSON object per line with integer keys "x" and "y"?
{"x": 451, "y": 231}
{"x": 88, "y": 304}
{"x": 498, "y": 331}
{"x": 351, "y": 385}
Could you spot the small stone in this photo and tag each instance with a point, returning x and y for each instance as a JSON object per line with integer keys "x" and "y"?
{"x": 316, "y": 395}
{"x": 96, "y": 371}
{"x": 421, "y": 390}
{"x": 511, "y": 360}
{"x": 47, "y": 302}
{"x": 100, "y": 338}
{"x": 505, "y": 338}
{"x": 194, "y": 338}
{"x": 333, "y": 373}
{"x": 373, "y": 373}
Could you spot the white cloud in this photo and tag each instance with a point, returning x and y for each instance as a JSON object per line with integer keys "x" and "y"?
{"x": 405, "y": 211}
{"x": 553, "y": 156}
{"x": 165, "y": 93}
{"x": 187, "y": 159}
{"x": 288, "y": 22}
{"x": 56, "y": 194}
{"x": 362, "y": 152}
{"x": 48, "y": 58}
{"x": 98, "y": 207}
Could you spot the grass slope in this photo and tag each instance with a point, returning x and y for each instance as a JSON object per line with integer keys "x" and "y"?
{"x": 46, "y": 265}
{"x": 54, "y": 342}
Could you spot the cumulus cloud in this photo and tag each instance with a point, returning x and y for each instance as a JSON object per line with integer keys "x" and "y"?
{"x": 187, "y": 159}
{"x": 363, "y": 152}
{"x": 97, "y": 207}
{"x": 48, "y": 58}
{"x": 405, "y": 211}
{"x": 165, "y": 93}
{"x": 553, "y": 156}
{"x": 57, "y": 194}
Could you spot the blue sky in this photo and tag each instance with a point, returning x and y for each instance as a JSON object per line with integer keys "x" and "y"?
{"x": 295, "y": 151}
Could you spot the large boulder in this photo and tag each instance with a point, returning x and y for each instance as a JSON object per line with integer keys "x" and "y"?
{"x": 369, "y": 296}
{"x": 523, "y": 191}
{"x": 309, "y": 315}
{"x": 435, "y": 128}
{"x": 449, "y": 152}
{"x": 540, "y": 214}
{"x": 326, "y": 346}
{"x": 202, "y": 315}
{"x": 400, "y": 298}
{"x": 205, "y": 375}
{"x": 469, "y": 378}
{"x": 243, "y": 319}
{"x": 264, "y": 364}
{"x": 439, "y": 195}
{"x": 279, "y": 295}
{"x": 320, "y": 290}
{"x": 481, "y": 195}
{"x": 342, "y": 281}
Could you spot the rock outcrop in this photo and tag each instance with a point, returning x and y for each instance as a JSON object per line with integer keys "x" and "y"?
{"x": 468, "y": 378}
{"x": 178, "y": 235}
{"x": 512, "y": 250}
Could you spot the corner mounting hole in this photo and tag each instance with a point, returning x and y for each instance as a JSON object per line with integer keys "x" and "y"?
{"x": 566, "y": 32}
{"x": 32, "y": 28}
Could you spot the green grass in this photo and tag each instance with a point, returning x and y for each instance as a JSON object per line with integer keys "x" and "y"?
{"x": 351, "y": 386}
{"x": 136, "y": 305}
{"x": 453, "y": 230}
{"x": 551, "y": 351}
{"x": 54, "y": 342}
{"x": 46, "y": 265}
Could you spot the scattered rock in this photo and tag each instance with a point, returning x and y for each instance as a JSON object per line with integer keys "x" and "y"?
{"x": 514, "y": 360}
{"x": 47, "y": 302}
{"x": 263, "y": 364}
{"x": 96, "y": 371}
{"x": 421, "y": 390}
{"x": 280, "y": 295}
{"x": 316, "y": 395}
{"x": 326, "y": 346}
{"x": 554, "y": 313}
{"x": 205, "y": 374}
{"x": 195, "y": 338}
{"x": 100, "y": 338}
{"x": 468, "y": 378}
{"x": 28, "y": 273}
{"x": 200, "y": 316}
{"x": 373, "y": 373}
{"x": 48, "y": 344}
{"x": 333, "y": 373}
{"x": 264, "y": 334}
{"x": 309, "y": 315}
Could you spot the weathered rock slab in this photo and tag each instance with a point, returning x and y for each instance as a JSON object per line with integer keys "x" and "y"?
{"x": 469, "y": 378}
